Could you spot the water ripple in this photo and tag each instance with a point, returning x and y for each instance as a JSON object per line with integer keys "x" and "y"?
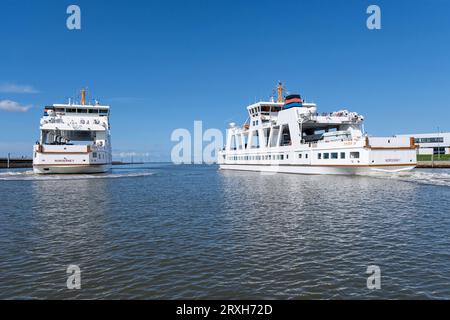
{"x": 173, "y": 232}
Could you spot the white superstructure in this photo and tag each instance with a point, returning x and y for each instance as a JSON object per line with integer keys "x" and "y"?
{"x": 289, "y": 136}
{"x": 74, "y": 138}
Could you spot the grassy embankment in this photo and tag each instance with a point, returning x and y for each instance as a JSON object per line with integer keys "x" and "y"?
{"x": 427, "y": 157}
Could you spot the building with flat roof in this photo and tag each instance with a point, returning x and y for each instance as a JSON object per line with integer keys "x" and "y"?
{"x": 431, "y": 143}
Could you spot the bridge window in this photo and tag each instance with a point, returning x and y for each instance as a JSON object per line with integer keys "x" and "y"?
{"x": 334, "y": 155}
{"x": 326, "y": 155}
{"x": 342, "y": 155}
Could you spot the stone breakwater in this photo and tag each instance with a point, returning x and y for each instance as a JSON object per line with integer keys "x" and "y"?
{"x": 433, "y": 164}
{"x": 16, "y": 163}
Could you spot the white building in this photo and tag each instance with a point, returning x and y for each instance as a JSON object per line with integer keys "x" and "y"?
{"x": 432, "y": 143}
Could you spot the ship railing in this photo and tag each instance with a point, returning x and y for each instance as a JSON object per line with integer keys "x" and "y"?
{"x": 342, "y": 116}
{"x": 52, "y": 120}
{"x": 331, "y": 114}
{"x": 63, "y": 148}
{"x": 389, "y": 142}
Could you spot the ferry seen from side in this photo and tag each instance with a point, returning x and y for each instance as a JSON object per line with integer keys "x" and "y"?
{"x": 74, "y": 138}
{"x": 289, "y": 136}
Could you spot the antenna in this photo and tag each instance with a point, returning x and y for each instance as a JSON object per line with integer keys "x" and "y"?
{"x": 83, "y": 97}
{"x": 280, "y": 90}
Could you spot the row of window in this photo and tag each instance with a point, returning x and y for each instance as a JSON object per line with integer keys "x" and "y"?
{"x": 266, "y": 157}
{"x": 79, "y": 110}
{"x": 334, "y": 155}
{"x": 429, "y": 140}
{"x": 325, "y": 155}
{"x": 256, "y": 110}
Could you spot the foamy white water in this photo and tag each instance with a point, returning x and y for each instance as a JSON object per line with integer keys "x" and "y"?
{"x": 30, "y": 175}
{"x": 438, "y": 177}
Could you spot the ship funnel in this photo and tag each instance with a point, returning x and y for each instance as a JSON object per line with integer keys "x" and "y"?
{"x": 293, "y": 100}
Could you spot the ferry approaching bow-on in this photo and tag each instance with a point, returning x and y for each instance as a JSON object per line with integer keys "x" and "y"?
{"x": 289, "y": 136}
{"x": 74, "y": 138}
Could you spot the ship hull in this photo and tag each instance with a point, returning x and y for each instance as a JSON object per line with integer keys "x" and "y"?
{"x": 71, "y": 169}
{"x": 326, "y": 170}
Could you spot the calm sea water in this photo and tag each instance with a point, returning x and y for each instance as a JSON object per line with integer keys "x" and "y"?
{"x": 167, "y": 232}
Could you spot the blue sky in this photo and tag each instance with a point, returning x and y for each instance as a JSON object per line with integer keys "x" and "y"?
{"x": 163, "y": 64}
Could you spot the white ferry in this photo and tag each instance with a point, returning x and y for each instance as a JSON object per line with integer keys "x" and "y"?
{"x": 74, "y": 138}
{"x": 289, "y": 136}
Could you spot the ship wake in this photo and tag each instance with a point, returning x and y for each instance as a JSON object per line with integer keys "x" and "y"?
{"x": 439, "y": 177}
{"x": 30, "y": 176}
